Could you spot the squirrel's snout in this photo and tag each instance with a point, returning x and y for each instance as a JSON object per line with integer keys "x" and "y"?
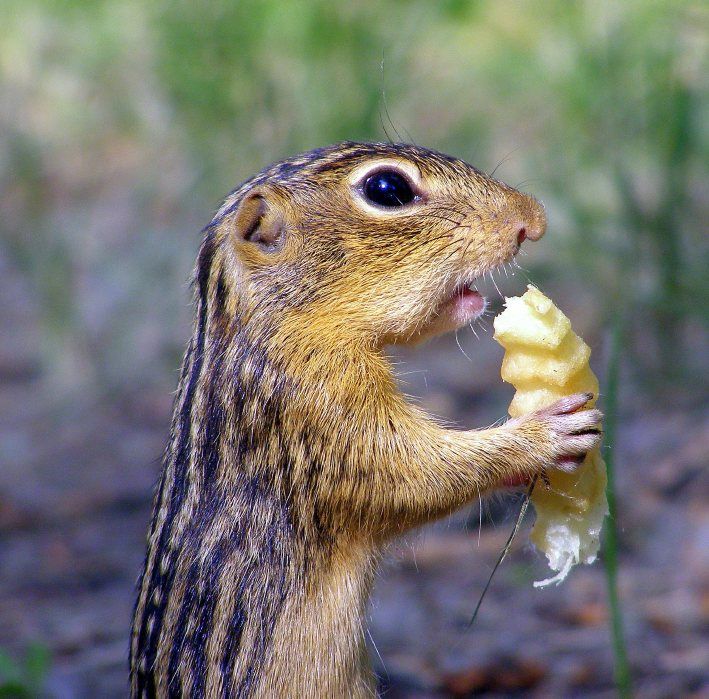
{"x": 536, "y": 219}
{"x": 535, "y": 228}
{"x": 525, "y": 219}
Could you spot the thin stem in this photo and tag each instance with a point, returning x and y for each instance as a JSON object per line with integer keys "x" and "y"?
{"x": 505, "y": 550}
{"x": 610, "y": 547}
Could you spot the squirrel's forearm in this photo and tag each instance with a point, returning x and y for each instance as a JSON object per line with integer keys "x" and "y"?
{"x": 416, "y": 470}
{"x": 450, "y": 468}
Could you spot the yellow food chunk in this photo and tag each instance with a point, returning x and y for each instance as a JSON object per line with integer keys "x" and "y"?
{"x": 545, "y": 361}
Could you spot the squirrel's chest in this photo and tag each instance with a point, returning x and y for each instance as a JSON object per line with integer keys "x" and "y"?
{"x": 323, "y": 626}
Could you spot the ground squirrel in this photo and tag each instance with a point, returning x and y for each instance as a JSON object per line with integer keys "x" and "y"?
{"x": 293, "y": 457}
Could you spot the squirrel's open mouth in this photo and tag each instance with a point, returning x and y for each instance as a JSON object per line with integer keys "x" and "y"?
{"x": 463, "y": 306}
{"x": 461, "y": 303}
{"x": 466, "y": 304}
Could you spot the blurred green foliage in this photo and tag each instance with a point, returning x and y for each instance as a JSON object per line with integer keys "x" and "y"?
{"x": 123, "y": 122}
{"x": 25, "y": 679}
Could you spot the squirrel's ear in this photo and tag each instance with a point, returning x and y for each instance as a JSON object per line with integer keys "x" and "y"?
{"x": 257, "y": 220}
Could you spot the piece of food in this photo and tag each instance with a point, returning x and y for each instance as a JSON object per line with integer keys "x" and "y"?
{"x": 545, "y": 361}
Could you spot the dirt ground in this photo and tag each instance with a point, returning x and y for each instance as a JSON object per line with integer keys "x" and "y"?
{"x": 75, "y": 489}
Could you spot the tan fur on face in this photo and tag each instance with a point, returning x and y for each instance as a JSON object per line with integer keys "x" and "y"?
{"x": 293, "y": 456}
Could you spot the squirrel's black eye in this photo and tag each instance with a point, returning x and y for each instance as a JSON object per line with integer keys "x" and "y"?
{"x": 388, "y": 188}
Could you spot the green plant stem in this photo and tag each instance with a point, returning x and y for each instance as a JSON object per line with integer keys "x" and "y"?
{"x": 610, "y": 547}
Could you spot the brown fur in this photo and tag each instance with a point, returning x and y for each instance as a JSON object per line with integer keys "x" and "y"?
{"x": 293, "y": 456}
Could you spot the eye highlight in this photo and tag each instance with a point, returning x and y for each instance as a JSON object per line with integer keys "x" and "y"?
{"x": 388, "y": 188}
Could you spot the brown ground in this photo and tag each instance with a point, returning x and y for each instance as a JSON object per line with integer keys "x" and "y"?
{"x": 75, "y": 488}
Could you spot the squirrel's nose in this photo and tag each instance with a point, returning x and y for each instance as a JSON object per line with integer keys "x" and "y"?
{"x": 526, "y": 219}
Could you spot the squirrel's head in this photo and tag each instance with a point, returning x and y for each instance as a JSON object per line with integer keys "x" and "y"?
{"x": 381, "y": 242}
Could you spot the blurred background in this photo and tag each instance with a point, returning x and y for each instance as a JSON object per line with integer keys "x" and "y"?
{"x": 123, "y": 123}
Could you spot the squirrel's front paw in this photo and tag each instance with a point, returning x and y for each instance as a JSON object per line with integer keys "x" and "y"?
{"x": 573, "y": 432}
{"x": 560, "y": 435}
